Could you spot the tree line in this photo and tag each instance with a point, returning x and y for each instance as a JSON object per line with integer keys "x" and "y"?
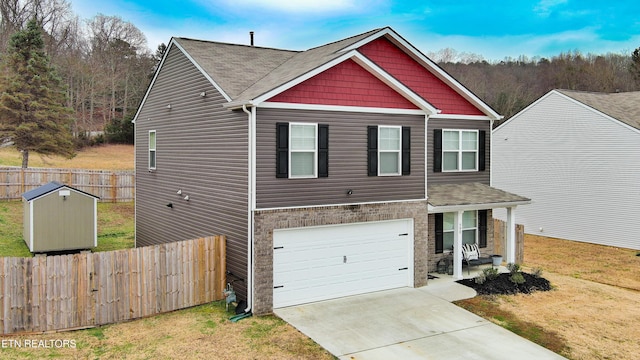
{"x": 104, "y": 63}
{"x": 512, "y": 84}
{"x": 92, "y": 74}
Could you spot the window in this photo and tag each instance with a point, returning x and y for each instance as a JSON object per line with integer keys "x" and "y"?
{"x": 389, "y": 154}
{"x": 302, "y": 150}
{"x": 152, "y": 149}
{"x": 389, "y": 149}
{"x": 474, "y": 229}
{"x": 459, "y": 150}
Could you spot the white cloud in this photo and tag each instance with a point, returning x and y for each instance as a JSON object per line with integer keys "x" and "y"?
{"x": 304, "y": 6}
{"x": 544, "y": 7}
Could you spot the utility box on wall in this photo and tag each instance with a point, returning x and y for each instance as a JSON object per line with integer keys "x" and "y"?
{"x": 59, "y": 218}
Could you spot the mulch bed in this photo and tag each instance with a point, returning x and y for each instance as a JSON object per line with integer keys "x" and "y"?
{"x": 502, "y": 285}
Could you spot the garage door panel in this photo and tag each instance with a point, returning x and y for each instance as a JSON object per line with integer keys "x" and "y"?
{"x": 318, "y": 263}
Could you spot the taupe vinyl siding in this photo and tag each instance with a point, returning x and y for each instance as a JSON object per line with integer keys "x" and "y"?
{"x": 201, "y": 149}
{"x": 462, "y": 176}
{"x": 347, "y": 161}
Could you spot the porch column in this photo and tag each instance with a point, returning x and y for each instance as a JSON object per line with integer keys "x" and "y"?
{"x": 511, "y": 235}
{"x": 457, "y": 247}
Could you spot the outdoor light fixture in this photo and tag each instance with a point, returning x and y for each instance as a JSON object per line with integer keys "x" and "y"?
{"x": 349, "y": 192}
{"x": 169, "y": 106}
{"x": 179, "y": 192}
{"x": 203, "y": 94}
{"x": 170, "y": 205}
{"x": 186, "y": 198}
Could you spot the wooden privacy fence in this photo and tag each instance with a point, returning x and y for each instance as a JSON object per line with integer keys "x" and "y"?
{"x": 500, "y": 239}
{"x": 47, "y": 293}
{"x": 109, "y": 185}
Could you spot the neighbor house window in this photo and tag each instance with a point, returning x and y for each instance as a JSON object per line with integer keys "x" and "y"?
{"x": 389, "y": 149}
{"x": 474, "y": 229}
{"x": 459, "y": 150}
{"x": 152, "y": 149}
{"x": 302, "y": 150}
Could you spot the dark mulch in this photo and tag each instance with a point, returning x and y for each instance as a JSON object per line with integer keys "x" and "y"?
{"x": 503, "y": 285}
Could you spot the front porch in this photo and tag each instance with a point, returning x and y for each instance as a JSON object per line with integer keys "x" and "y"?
{"x": 450, "y": 207}
{"x": 445, "y": 287}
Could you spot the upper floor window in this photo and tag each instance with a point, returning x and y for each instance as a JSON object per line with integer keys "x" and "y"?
{"x": 302, "y": 150}
{"x": 389, "y": 150}
{"x": 459, "y": 150}
{"x": 152, "y": 149}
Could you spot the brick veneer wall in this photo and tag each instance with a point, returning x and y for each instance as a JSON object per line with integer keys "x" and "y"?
{"x": 434, "y": 258}
{"x": 267, "y": 220}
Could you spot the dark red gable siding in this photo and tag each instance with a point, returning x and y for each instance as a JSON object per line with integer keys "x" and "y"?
{"x": 413, "y": 75}
{"x": 346, "y": 84}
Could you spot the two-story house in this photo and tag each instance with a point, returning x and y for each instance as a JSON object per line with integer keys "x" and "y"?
{"x": 343, "y": 169}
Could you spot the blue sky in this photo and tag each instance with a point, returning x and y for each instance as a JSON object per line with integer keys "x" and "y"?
{"x": 494, "y": 29}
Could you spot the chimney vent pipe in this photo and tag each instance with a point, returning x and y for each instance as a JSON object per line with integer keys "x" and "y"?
{"x": 251, "y": 37}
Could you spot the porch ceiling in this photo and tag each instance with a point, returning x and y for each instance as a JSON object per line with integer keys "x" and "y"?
{"x": 470, "y": 196}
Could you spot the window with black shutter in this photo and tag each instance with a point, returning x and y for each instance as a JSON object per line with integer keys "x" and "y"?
{"x": 302, "y": 150}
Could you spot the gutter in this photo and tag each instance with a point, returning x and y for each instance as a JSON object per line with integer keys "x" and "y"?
{"x": 250, "y": 203}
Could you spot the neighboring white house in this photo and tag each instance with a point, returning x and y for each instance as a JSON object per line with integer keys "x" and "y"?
{"x": 577, "y": 155}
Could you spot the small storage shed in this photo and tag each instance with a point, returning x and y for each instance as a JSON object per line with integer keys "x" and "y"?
{"x": 58, "y": 218}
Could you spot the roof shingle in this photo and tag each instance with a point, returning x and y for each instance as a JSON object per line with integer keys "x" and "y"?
{"x": 624, "y": 106}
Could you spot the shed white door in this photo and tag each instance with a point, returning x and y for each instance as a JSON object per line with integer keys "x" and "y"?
{"x": 325, "y": 262}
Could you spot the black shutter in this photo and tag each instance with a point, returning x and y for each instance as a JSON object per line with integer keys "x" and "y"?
{"x": 437, "y": 150}
{"x": 481, "y": 149}
{"x": 482, "y": 228}
{"x": 372, "y": 150}
{"x": 323, "y": 150}
{"x": 282, "y": 150}
{"x": 439, "y": 233}
{"x": 406, "y": 150}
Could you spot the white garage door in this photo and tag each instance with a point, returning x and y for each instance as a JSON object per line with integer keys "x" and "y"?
{"x": 325, "y": 262}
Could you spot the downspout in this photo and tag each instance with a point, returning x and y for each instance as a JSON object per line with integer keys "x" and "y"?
{"x": 250, "y": 203}
{"x": 491, "y": 152}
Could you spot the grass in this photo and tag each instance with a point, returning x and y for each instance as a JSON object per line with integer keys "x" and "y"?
{"x": 116, "y": 228}
{"x": 201, "y": 332}
{"x": 112, "y": 157}
{"x": 587, "y": 315}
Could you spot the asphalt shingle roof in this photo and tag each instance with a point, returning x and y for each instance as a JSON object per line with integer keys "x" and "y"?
{"x": 246, "y": 72}
{"x": 44, "y": 189}
{"x": 624, "y": 106}
{"x": 469, "y": 194}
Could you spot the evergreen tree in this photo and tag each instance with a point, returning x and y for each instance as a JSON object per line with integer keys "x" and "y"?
{"x": 634, "y": 67}
{"x": 32, "y": 105}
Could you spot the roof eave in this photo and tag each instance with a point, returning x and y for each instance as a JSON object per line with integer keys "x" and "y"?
{"x": 482, "y": 206}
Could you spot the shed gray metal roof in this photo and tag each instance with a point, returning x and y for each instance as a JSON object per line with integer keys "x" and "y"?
{"x": 624, "y": 106}
{"x": 47, "y": 188}
{"x": 471, "y": 194}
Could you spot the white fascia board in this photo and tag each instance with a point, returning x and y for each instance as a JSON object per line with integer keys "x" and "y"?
{"x": 461, "y": 117}
{"x": 153, "y": 81}
{"x": 340, "y": 204}
{"x": 431, "y": 66}
{"x": 454, "y": 208}
{"x": 296, "y": 106}
{"x": 496, "y": 130}
{"x": 204, "y": 73}
{"x": 367, "y": 65}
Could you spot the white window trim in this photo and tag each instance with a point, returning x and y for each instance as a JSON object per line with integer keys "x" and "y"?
{"x": 155, "y": 152}
{"x": 460, "y": 151}
{"x": 399, "y": 151}
{"x": 315, "y": 153}
{"x": 448, "y": 250}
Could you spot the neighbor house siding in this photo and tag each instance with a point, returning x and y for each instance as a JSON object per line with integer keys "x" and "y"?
{"x": 581, "y": 168}
{"x": 347, "y": 161}
{"x": 201, "y": 149}
{"x": 458, "y": 176}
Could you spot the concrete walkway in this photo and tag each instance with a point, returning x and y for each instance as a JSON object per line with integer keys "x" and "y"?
{"x": 409, "y": 323}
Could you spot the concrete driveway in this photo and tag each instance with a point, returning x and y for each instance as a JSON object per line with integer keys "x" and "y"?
{"x": 408, "y": 323}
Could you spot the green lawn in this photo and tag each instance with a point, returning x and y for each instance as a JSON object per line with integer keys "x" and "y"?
{"x": 115, "y": 228}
